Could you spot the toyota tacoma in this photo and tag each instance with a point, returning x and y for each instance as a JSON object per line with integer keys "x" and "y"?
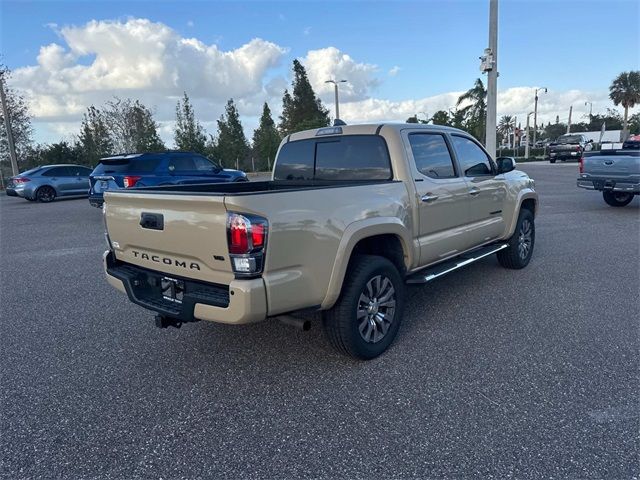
{"x": 350, "y": 216}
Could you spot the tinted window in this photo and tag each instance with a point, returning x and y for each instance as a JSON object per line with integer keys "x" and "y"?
{"x": 79, "y": 171}
{"x": 350, "y": 157}
{"x": 471, "y": 157}
{"x": 32, "y": 171}
{"x": 431, "y": 155}
{"x": 182, "y": 163}
{"x": 203, "y": 164}
{"x": 295, "y": 161}
{"x": 57, "y": 172}
{"x": 127, "y": 165}
{"x": 361, "y": 157}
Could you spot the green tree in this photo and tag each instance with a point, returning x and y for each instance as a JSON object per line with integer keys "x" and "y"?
{"x": 19, "y": 119}
{"x": 413, "y": 119}
{"x": 266, "y": 140}
{"x": 231, "y": 146}
{"x": 94, "y": 140}
{"x": 303, "y": 110}
{"x": 634, "y": 124}
{"x": 612, "y": 120}
{"x": 189, "y": 134}
{"x": 625, "y": 91}
{"x": 441, "y": 118}
{"x": 506, "y": 125}
{"x": 475, "y": 109}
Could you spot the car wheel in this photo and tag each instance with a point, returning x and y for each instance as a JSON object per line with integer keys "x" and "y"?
{"x": 617, "y": 199}
{"x": 45, "y": 194}
{"x": 552, "y": 160}
{"x": 520, "y": 246}
{"x": 366, "y": 318}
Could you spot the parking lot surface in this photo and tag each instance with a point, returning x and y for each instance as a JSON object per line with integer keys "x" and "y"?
{"x": 531, "y": 373}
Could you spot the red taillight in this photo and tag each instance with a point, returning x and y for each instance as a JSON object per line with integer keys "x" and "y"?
{"x": 21, "y": 180}
{"x": 247, "y": 239}
{"x": 582, "y": 165}
{"x": 130, "y": 181}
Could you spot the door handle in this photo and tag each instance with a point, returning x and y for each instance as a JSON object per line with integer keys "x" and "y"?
{"x": 428, "y": 198}
{"x": 474, "y": 191}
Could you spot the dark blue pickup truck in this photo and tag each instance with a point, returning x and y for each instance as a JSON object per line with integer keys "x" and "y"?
{"x": 156, "y": 169}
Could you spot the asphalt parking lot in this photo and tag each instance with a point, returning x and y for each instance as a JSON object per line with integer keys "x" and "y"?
{"x": 495, "y": 373}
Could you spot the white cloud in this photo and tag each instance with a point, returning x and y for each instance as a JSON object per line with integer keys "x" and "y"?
{"x": 394, "y": 71}
{"x": 307, "y": 31}
{"x": 330, "y": 63}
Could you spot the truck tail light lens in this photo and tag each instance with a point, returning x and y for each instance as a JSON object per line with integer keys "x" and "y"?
{"x": 247, "y": 240}
{"x": 130, "y": 181}
{"x": 581, "y": 165}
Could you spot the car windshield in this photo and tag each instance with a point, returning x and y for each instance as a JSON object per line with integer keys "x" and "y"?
{"x": 569, "y": 139}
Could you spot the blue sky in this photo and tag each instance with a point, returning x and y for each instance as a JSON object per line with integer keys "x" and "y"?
{"x": 567, "y": 46}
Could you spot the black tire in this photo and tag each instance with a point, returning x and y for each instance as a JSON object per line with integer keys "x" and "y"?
{"x": 552, "y": 160}
{"x": 617, "y": 199}
{"x": 45, "y": 194}
{"x": 518, "y": 254}
{"x": 366, "y": 276}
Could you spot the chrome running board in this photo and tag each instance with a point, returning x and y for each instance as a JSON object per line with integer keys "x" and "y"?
{"x": 431, "y": 273}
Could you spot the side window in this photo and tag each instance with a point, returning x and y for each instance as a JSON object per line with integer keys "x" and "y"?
{"x": 182, "y": 163}
{"x": 472, "y": 159}
{"x": 295, "y": 161}
{"x": 57, "y": 172}
{"x": 431, "y": 154}
{"x": 203, "y": 164}
{"x": 357, "y": 157}
{"x": 79, "y": 171}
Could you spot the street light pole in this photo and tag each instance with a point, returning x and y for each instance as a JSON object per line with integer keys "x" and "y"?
{"x": 335, "y": 89}
{"x": 535, "y": 114}
{"x": 7, "y": 125}
{"x": 491, "y": 68}
{"x": 590, "y": 109}
{"x": 526, "y": 147}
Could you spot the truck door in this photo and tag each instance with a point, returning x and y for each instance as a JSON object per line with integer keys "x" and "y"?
{"x": 442, "y": 196}
{"x": 486, "y": 191}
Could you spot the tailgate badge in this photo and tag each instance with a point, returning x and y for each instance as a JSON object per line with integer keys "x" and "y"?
{"x": 152, "y": 221}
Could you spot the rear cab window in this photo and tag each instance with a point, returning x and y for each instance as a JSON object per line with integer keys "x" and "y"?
{"x": 338, "y": 158}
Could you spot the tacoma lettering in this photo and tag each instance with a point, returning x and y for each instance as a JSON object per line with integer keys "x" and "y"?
{"x": 166, "y": 260}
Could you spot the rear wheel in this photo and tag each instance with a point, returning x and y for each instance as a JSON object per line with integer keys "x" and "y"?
{"x": 45, "y": 194}
{"x": 518, "y": 254}
{"x": 552, "y": 160}
{"x": 617, "y": 199}
{"x": 366, "y": 318}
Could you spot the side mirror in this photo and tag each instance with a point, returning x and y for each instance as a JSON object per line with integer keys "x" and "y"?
{"x": 506, "y": 164}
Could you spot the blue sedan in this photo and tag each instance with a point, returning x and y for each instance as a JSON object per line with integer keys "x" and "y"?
{"x": 48, "y": 182}
{"x": 156, "y": 169}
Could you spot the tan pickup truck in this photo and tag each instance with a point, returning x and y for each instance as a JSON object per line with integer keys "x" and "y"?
{"x": 351, "y": 215}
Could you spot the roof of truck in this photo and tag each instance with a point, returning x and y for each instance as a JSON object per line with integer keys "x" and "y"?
{"x": 366, "y": 129}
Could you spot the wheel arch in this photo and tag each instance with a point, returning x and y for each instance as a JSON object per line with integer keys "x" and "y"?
{"x": 40, "y": 187}
{"x": 528, "y": 200}
{"x": 386, "y": 237}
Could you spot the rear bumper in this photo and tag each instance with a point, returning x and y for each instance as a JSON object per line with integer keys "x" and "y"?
{"x": 603, "y": 184}
{"x": 10, "y": 191}
{"x": 566, "y": 155}
{"x": 96, "y": 200}
{"x": 243, "y": 301}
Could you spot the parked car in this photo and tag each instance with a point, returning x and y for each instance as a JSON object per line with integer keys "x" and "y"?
{"x": 48, "y": 182}
{"x": 351, "y": 215}
{"x": 156, "y": 169}
{"x": 569, "y": 146}
{"x": 616, "y": 173}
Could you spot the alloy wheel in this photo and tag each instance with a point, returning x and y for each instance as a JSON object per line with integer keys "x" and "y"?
{"x": 376, "y": 309}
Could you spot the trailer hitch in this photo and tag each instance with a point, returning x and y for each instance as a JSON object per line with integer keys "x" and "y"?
{"x": 162, "y": 321}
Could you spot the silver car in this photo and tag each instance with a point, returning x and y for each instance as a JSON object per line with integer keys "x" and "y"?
{"x": 48, "y": 182}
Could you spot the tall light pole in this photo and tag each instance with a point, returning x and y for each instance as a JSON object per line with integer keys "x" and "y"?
{"x": 335, "y": 87}
{"x": 7, "y": 125}
{"x": 490, "y": 65}
{"x": 590, "y": 109}
{"x": 535, "y": 114}
{"x": 526, "y": 147}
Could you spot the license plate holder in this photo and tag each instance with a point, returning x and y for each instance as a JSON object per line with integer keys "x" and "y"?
{"x": 104, "y": 185}
{"x": 172, "y": 289}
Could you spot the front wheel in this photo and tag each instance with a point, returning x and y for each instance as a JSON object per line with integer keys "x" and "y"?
{"x": 617, "y": 199}
{"x": 366, "y": 318}
{"x": 552, "y": 160}
{"x": 45, "y": 194}
{"x": 520, "y": 246}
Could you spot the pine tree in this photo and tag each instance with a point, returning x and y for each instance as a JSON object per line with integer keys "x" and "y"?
{"x": 265, "y": 140}
{"x": 303, "y": 110}
{"x": 231, "y": 146}
{"x": 94, "y": 140}
{"x": 189, "y": 134}
{"x": 131, "y": 127}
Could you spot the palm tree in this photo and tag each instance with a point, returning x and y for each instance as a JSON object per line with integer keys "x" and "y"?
{"x": 475, "y": 110}
{"x": 625, "y": 91}
{"x": 506, "y": 125}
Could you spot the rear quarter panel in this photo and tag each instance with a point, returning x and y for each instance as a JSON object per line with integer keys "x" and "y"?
{"x": 310, "y": 240}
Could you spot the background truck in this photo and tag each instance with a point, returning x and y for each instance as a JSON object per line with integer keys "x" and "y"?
{"x": 616, "y": 173}
{"x": 351, "y": 214}
{"x": 570, "y": 146}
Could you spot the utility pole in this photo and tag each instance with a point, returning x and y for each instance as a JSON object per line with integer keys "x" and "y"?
{"x": 535, "y": 114}
{"x": 590, "y": 110}
{"x": 490, "y": 65}
{"x": 335, "y": 90}
{"x": 569, "y": 122}
{"x": 526, "y": 145}
{"x": 7, "y": 125}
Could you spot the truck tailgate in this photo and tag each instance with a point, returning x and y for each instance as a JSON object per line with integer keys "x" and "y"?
{"x": 186, "y": 234}
{"x": 612, "y": 165}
